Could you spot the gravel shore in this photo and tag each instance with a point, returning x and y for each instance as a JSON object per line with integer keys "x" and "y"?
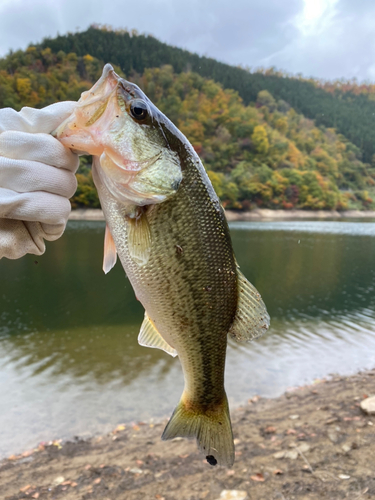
{"x": 312, "y": 443}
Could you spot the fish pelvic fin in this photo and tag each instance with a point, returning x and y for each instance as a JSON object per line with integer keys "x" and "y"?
{"x": 251, "y": 319}
{"x": 110, "y": 252}
{"x": 150, "y": 337}
{"x": 212, "y": 429}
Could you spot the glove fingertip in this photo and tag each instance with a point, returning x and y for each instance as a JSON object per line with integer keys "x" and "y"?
{"x": 47, "y": 119}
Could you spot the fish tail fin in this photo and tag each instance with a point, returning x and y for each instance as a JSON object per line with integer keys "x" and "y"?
{"x": 212, "y": 428}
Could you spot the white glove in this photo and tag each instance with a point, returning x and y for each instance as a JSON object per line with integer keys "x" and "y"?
{"x": 36, "y": 179}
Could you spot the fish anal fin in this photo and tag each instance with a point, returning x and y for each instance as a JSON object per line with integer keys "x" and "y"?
{"x": 150, "y": 337}
{"x": 211, "y": 428}
{"x": 110, "y": 252}
{"x": 252, "y": 318}
{"x": 139, "y": 238}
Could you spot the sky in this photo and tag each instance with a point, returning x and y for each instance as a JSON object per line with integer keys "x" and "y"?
{"x": 327, "y": 39}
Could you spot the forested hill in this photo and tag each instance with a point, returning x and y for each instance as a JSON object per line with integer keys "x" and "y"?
{"x": 258, "y": 153}
{"x": 351, "y": 114}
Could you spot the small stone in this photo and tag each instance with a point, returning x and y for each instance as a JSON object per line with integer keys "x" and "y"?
{"x": 279, "y": 454}
{"x": 368, "y": 405}
{"x": 294, "y": 417}
{"x": 346, "y": 448}
{"x": 344, "y": 476}
{"x": 291, "y": 431}
{"x": 25, "y": 488}
{"x": 258, "y": 477}
{"x": 303, "y": 447}
{"x": 292, "y": 454}
{"x": 233, "y": 495}
{"x": 58, "y": 480}
{"x": 136, "y": 470}
{"x": 331, "y": 420}
{"x": 119, "y": 428}
{"x": 270, "y": 429}
{"x": 333, "y": 436}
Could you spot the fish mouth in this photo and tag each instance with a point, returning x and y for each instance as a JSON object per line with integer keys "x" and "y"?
{"x": 76, "y": 131}
{"x": 102, "y": 89}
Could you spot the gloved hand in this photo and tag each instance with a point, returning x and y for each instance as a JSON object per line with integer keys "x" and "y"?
{"x": 36, "y": 179}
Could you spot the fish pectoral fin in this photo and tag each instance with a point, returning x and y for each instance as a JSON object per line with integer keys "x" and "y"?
{"x": 252, "y": 318}
{"x": 110, "y": 252}
{"x": 150, "y": 337}
{"x": 139, "y": 238}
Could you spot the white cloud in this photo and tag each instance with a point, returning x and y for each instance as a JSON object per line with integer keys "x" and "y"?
{"x": 316, "y": 17}
{"x": 333, "y": 40}
{"x": 323, "y": 38}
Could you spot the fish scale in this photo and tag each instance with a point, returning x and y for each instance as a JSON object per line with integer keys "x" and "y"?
{"x": 191, "y": 292}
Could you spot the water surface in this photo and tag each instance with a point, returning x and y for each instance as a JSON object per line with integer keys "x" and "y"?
{"x": 69, "y": 359}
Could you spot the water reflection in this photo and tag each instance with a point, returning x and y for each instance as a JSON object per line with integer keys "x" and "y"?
{"x": 305, "y": 274}
{"x": 106, "y": 353}
{"x": 69, "y": 358}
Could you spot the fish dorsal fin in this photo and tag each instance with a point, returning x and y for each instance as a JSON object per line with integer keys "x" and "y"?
{"x": 252, "y": 318}
{"x": 110, "y": 252}
{"x": 150, "y": 337}
{"x": 139, "y": 237}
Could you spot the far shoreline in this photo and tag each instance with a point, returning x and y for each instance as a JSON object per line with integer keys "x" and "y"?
{"x": 260, "y": 214}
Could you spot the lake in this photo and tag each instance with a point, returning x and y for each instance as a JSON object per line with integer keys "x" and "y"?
{"x": 70, "y": 363}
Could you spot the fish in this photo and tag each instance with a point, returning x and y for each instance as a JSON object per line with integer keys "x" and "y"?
{"x": 166, "y": 224}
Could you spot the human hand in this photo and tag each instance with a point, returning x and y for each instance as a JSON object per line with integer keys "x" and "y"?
{"x": 36, "y": 179}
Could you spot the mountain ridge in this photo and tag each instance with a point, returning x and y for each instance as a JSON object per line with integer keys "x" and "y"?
{"x": 351, "y": 114}
{"x": 258, "y": 153}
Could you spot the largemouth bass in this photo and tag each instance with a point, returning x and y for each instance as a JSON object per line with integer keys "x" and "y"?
{"x": 166, "y": 223}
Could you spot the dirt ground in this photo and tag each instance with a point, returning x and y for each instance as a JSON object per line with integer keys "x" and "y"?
{"x": 311, "y": 443}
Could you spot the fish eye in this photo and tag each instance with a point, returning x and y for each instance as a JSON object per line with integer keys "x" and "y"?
{"x": 138, "y": 110}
